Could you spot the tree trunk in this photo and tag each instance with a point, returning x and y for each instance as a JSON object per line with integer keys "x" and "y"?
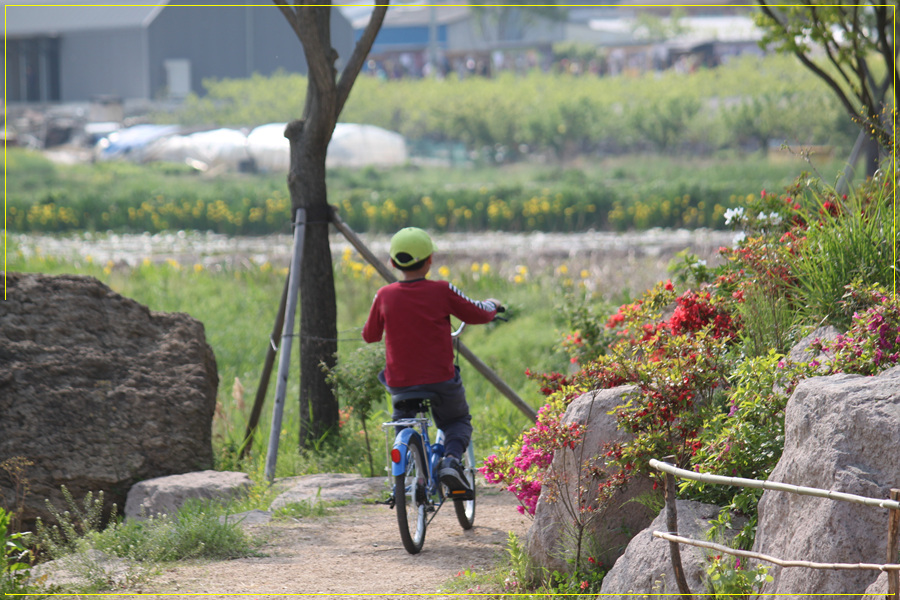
{"x": 318, "y": 310}
{"x": 325, "y": 98}
{"x": 872, "y": 155}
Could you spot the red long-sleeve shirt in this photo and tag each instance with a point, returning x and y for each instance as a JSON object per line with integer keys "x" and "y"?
{"x": 414, "y": 318}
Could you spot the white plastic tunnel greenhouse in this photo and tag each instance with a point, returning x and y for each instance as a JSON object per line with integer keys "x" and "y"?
{"x": 351, "y": 145}
{"x": 265, "y": 147}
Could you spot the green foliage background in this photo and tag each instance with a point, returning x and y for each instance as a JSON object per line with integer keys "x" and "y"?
{"x": 749, "y": 100}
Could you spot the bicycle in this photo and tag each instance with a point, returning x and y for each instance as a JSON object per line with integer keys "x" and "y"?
{"x": 417, "y": 493}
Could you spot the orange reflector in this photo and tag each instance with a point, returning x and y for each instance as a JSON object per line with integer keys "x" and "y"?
{"x": 395, "y": 455}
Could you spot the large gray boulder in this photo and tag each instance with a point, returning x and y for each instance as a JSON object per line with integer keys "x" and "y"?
{"x": 165, "y": 495}
{"x": 612, "y": 527}
{"x": 98, "y": 391}
{"x": 841, "y": 434}
{"x": 646, "y": 566}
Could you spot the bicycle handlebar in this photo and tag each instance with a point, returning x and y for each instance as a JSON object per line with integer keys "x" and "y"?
{"x": 462, "y": 324}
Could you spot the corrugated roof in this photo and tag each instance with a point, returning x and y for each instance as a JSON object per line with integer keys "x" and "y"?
{"x": 408, "y": 13}
{"x": 50, "y": 17}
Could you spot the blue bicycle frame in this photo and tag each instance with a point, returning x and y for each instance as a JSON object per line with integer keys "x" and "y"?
{"x": 418, "y": 493}
{"x": 416, "y": 486}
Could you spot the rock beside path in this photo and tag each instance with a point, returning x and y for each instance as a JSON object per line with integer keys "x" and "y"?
{"x": 611, "y": 527}
{"x": 165, "y": 495}
{"x": 841, "y": 434}
{"x": 97, "y": 391}
{"x": 328, "y": 487}
{"x": 646, "y": 566}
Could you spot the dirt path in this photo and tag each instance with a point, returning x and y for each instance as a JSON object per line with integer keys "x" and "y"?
{"x": 356, "y": 550}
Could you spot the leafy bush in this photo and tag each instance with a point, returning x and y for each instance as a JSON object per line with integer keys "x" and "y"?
{"x": 872, "y": 344}
{"x": 677, "y": 364}
{"x": 708, "y": 365}
{"x": 15, "y": 558}
{"x": 744, "y": 436}
{"x": 354, "y": 379}
{"x": 727, "y": 577}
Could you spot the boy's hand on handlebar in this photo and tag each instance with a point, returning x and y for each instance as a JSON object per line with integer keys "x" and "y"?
{"x": 498, "y": 304}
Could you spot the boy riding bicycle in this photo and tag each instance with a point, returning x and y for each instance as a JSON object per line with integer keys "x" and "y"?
{"x": 413, "y": 315}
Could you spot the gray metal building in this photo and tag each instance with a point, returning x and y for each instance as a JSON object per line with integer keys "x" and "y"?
{"x": 147, "y": 52}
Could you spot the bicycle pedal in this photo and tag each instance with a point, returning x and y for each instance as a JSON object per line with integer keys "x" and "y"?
{"x": 462, "y": 495}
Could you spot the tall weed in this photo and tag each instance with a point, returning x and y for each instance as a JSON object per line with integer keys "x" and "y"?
{"x": 851, "y": 240}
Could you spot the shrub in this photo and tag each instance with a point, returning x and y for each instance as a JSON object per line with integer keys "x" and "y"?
{"x": 678, "y": 365}
{"x": 354, "y": 379}
{"x": 872, "y": 344}
{"x": 847, "y": 240}
{"x": 744, "y": 435}
{"x": 196, "y": 530}
{"x": 15, "y": 558}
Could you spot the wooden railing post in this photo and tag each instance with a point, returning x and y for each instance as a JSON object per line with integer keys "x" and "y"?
{"x": 672, "y": 526}
{"x": 893, "y": 547}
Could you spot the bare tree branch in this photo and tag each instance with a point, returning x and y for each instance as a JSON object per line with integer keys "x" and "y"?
{"x": 289, "y": 15}
{"x": 360, "y": 52}
{"x": 883, "y": 25}
{"x": 767, "y": 10}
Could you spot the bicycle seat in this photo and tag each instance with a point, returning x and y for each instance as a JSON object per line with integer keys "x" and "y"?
{"x": 413, "y": 400}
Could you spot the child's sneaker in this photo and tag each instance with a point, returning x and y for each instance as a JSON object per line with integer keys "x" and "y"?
{"x": 453, "y": 476}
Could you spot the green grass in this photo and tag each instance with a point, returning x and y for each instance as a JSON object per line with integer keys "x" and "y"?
{"x": 78, "y": 537}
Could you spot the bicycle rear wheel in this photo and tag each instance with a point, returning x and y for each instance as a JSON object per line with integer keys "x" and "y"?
{"x": 410, "y": 497}
{"x": 465, "y": 509}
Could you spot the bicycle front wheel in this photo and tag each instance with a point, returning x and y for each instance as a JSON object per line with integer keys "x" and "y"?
{"x": 465, "y": 509}
{"x": 410, "y": 496}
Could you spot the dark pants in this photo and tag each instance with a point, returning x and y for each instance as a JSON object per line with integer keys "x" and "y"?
{"x": 450, "y": 411}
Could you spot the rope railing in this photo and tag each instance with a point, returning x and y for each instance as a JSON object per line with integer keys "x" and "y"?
{"x": 778, "y": 561}
{"x": 892, "y": 568}
{"x": 772, "y": 485}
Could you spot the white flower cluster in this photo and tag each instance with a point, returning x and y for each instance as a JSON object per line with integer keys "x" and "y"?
{"x": 734, "y": 215}
{"x": 771, "y": 219}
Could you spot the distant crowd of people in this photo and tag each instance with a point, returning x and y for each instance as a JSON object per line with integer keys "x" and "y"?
{"x": 402, "y": 65}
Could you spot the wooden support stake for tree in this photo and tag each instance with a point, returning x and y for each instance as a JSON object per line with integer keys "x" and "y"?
{"x": 479, "y": 365}
{"x": 361, "y": 247}
{"x": 496, "y": 381}
{"x": 672, "y": 526}
{"x": 893, "y": 548}
{"x": 263, "y": 386}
